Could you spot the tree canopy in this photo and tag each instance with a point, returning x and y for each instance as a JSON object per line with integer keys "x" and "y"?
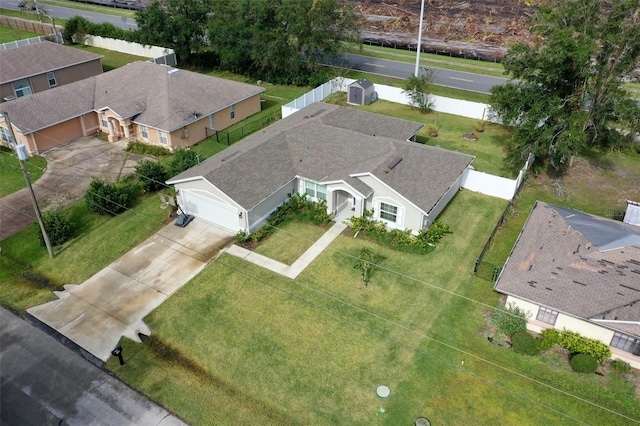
{"x": 566, "y": 94}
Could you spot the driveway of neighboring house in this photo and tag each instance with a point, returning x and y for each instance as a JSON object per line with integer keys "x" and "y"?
{"x": 113, "y": 303}
{"x": 70, "y": 168}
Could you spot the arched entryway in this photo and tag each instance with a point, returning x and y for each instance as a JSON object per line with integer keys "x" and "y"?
{"x": 344, "y": 205}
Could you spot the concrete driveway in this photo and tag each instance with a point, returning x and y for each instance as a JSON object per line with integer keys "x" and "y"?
{"x": 70, "y": 168}
{"x": 113, "y": 303}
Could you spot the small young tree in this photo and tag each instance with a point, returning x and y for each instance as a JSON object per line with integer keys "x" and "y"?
{"x": 152, "y": 175}
{"x": 182, "y": 160}
{"x": 366, "y": 263}
{"x": 417, "y": 88}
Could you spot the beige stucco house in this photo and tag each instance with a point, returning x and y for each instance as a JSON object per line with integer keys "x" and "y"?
{"x": 571, "y": 270}
{"x": 34, "y": 68}
{"x": 142, "y": 101}
{"x": 353, "y": 160}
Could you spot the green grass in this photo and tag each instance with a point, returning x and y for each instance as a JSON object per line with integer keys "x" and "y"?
{"x": 112, "y": 59}
{"x": 290, "y": 241}
{"x": 28, "y": 275}
{"x": 10, "y": 34}
{"x": 276, "y": 351}
{"x": 488, "y": 149}
{"x": 11, "y": 174}
{"x": 30, "y": 16}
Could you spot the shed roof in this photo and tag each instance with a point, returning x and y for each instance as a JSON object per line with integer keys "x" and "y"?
{"x": 363, "y": 82}
{"x": 39, "y": 58}
{"x": 579, "y": 264}
{"x": 328, "y": 143}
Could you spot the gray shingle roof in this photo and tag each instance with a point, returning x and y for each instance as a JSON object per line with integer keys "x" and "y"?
{"x": 39, "y": 58}
{"x": 146, "y": 92}
{"x": 556, "y": 265}
{"x": 326, "y": 143}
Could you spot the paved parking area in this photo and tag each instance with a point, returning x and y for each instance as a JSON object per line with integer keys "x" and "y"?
{"x": 113, "y": 303}
{"x": 70, "y": 168}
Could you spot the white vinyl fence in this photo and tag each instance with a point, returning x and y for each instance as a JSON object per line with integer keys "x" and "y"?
{"x": 160, "y": 55}
{"x": 495, "y": 186}
{"x": 33, "y": 40}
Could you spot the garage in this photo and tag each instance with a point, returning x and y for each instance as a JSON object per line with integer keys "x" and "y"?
{"x": 213, "y": 211}
{"x": 58, "y": 134}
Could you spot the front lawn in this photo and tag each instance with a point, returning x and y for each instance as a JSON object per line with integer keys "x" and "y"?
{"x": 27, "y": 274}
{"x": 11, "y": 174}
{"x": 288, "y": 243}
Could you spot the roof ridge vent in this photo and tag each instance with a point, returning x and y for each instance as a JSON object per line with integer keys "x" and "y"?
{"x": 394, "y": 162}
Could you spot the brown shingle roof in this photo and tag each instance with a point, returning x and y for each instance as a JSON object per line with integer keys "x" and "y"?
{"x": 39, "y": 58}
{"x": 154, "y": 95}
{"x": 555, "y": 265}
{"x": 326, "y": 143}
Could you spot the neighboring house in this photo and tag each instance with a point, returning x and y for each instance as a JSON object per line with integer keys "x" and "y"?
{"x": 152, "y": 103}
{"x": 352, "y": 159}
{"x": 581, "y": 272}
{"x": 41, "y": 66}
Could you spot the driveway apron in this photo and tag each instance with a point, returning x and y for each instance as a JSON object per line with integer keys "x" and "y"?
{"x": 113, "y": 302}
{"x": 70, "y": 168}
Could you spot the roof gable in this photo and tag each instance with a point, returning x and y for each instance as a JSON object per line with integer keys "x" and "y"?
{"x": 556, "y": 264}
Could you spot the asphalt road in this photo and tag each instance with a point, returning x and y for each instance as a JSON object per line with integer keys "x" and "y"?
{"x": 441, "y": 77}
{"x": 66, "y": 13}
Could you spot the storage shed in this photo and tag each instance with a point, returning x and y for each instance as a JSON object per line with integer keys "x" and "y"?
{"x": 361, "y": 92}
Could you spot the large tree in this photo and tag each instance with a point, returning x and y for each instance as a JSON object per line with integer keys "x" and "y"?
{"x": 178, "y": 24}
{"x": 267, "y": 38}
{"x": 566, "y": 93}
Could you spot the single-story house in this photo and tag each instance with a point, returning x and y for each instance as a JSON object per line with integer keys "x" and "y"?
{"x": 352, "y": 159}
{"x": 571, "y": 270}
{"x": 41, "y": 66}
{"x": 142, "y": 101}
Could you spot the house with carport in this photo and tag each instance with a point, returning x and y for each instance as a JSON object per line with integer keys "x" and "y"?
{"x": 41, "y": 66}
{"x": 351, "y": 159}
{"x": 575, "y": 271}
{"x": 143, "y": 101}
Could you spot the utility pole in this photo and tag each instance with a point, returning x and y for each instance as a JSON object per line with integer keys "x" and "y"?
{"x": 21, "y": 150}
{"x": 419, "y": 46}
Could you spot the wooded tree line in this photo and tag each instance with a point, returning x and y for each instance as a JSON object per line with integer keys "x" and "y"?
{"x": 265, "y": 39}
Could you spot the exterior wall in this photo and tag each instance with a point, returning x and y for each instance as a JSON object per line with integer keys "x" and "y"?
{"x": 243, "y": 109}
{"x": 258, "y": 214}
{"x": 446, "y": 198}
{"x": 585, "y": 328}
{"x": 204, "y": 188}
{"x": 412, "y": 216}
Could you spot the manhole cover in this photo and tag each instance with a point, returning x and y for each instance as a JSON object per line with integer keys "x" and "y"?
{"x": 383, "y": 392}
{"x": 421, "y": 421}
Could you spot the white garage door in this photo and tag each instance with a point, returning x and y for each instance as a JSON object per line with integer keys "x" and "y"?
{"x": 210, "y": 210}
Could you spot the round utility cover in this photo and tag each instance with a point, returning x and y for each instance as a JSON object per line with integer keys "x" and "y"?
{"x": 383, "y": 392}
{"x": 421, "y": 421}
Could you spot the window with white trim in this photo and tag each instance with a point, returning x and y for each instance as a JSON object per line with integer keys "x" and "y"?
{"x": 22, "y": 88}
{"x": 623, "y": 341}
{"x": 51, "y": 77}
{"x": 233, "y": 111}
{"x": 5, "y": 134}
{"x": 388, "y": 212}
{"x": 211, "y": 122}
{"x": 163, "y": 137}
{"x": 315, "y": 190}
{"x": 547, "y": 315}
{"x": 103, "y": 120}
{"x": 144, "y": 132}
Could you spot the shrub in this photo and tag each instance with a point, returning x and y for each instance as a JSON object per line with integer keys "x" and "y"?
{"x": 509, "y": 320}
{"x": 576, "y": 343}
{"x": 182, "y": 160}
{"x": 620, "y": 366}
{"x": 524, "y": 343}
{"x": 583, "y": 363}
{"x": 59, "y": 228}
{"x": 147, "y": 149}
{"x": 152, "y": 175}
{"x": 242, "y": 237}
{"x": 109, "y": 198}
{"x": 549, "y": 338}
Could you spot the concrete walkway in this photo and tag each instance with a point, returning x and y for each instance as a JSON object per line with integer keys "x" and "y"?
{"x": 70, "y": 168}
{"x": 300, "y": 264}
{"x": 113, "y": 302}
{"x": 42, "y": 382}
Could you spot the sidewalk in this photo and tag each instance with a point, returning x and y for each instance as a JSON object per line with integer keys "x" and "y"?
{"x": 43, "y": 382}
{"x": 300, "y": 264}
